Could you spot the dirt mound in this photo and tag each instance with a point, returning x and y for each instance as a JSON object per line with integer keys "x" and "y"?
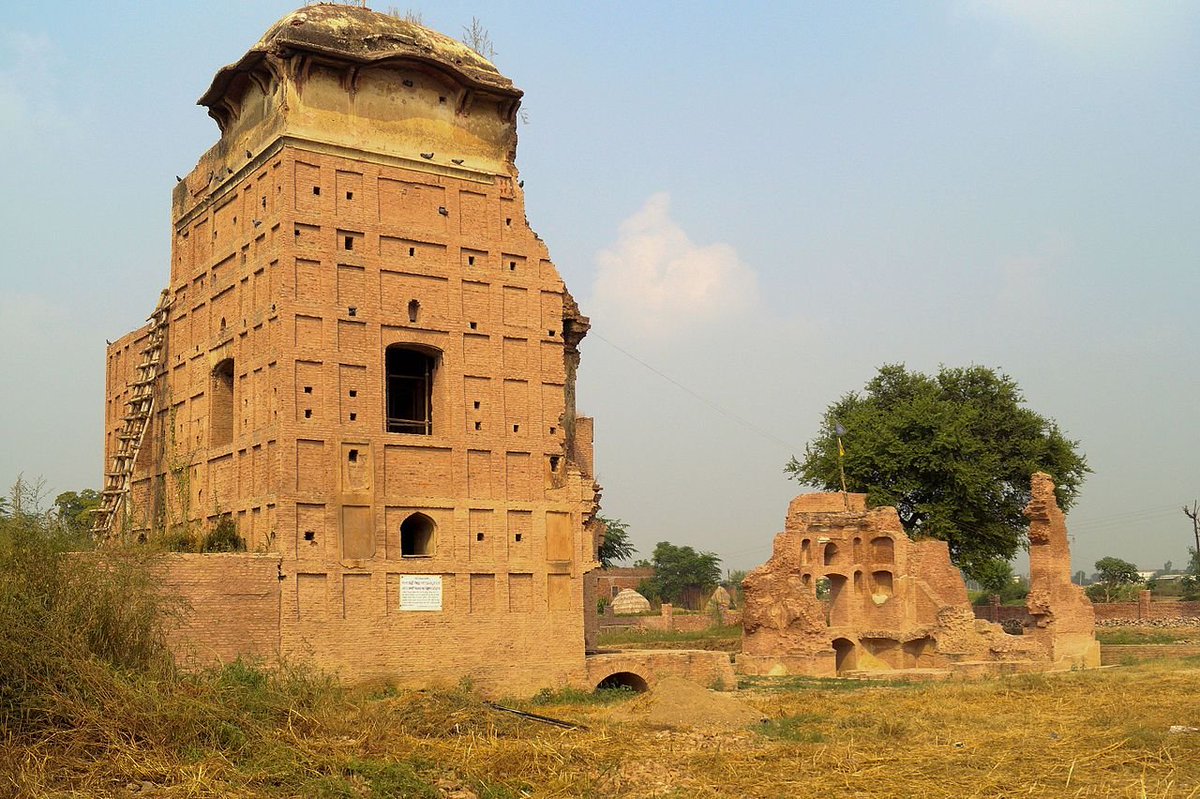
{"x": 678, "y": 703}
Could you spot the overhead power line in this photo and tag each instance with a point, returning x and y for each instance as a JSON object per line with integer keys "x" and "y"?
{"x": 791, "y": 448}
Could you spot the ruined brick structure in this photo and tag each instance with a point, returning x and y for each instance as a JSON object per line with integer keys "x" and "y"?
{"x": 898, "y": 604}
{"x": 369, "y": 368}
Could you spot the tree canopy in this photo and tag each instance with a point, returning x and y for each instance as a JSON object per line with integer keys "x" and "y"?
{"x": 953, "y": 452}
{"x": 1116, "y": 578}
{"x": 617, "y": 546}
{"x": 678, "y": 568}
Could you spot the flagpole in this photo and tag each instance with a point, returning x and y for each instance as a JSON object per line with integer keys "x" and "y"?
{"x": 837, "y": 431}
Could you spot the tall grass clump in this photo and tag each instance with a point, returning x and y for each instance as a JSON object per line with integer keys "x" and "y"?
{"x": 69, "y": 619}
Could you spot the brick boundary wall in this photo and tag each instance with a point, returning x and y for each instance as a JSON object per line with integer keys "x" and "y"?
{"x": 1105, "y": 612}
{"x": 669, "y": 621}
{"x": 1117, "y": 654}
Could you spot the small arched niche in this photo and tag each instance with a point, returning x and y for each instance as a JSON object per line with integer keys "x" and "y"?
{"x": 883, "y": 549}
{"x": 417, "y": 536}
{"x": 805, "y": 551}
{"x": 881, "y": 586}
{"x": 831, "y": 554}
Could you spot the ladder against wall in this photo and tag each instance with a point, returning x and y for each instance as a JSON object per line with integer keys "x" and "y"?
{"x": 138, "y": 409}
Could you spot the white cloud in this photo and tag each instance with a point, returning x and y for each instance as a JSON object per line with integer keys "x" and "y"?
{"x": 654, "y": 280}
{"x": 1089, "y": 28}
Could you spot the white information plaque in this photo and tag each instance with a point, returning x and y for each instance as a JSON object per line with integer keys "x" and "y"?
{"x": 420, "y": 592}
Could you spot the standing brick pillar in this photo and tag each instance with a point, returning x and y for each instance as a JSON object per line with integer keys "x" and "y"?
{"x": 1143, "y": 605}
{"x": 668, "y": 616}
{"x": 994, "y": 601}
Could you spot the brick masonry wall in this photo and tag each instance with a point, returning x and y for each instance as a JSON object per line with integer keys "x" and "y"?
{"x": 1118, "y": 654}
{"x": 1105, "y": 611}
{"x": 230, "y": 606}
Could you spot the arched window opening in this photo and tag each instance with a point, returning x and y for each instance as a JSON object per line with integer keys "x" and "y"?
{"x": 416, "y": 536}
{"x": 220, "y": 404}
{"x": 831, "y": 554}
{"x": 409, "y": 391}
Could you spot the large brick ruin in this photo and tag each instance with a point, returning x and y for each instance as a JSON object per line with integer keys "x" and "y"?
{"x": 368, "y": 366}
{"x": 895, "y": 604}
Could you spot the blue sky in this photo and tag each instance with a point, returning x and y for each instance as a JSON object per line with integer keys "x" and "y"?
{"x": 763, "y": 203}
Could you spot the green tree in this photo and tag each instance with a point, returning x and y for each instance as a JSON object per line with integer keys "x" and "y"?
{"x": 74, "y": 510}
{"x": 1116, "y": 580}
{"x": 994, "y": 576}
{"x": 617, "y": 546}
{"x": 678, "y": 568}
{"x": 1190, "y": 582}
{"x": 953, "y": 453}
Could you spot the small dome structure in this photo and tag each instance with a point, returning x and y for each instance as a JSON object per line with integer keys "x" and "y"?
{"x": 629, "y": 602}
{"x": 720, "y": 597}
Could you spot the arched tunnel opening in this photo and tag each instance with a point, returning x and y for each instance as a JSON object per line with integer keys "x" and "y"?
{"x": 623, "y": 679}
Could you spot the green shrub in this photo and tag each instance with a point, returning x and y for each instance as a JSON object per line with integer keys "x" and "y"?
{"x": 224, "y": 537}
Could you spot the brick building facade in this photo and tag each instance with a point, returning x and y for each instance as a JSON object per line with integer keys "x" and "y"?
{"x": 369, "y": 367}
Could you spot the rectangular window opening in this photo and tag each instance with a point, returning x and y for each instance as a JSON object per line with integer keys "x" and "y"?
{"x": 317, "y": 190}
{"x": 409, "y": 383}
{"x": 349, "y": 242}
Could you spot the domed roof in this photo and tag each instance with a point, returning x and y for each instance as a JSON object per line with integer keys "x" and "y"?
{"x": 629, "y": 601}
{"x": 359, "y": 35}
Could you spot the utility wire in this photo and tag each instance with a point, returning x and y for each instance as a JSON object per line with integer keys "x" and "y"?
{"x": 728, "y": 414}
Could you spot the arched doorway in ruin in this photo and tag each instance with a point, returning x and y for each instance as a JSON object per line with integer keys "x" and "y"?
{"x": 847, "y": 655}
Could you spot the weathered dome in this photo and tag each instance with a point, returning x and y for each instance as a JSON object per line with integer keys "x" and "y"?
{"x": 360, "y": 36}
{"x": 629, "y": 601}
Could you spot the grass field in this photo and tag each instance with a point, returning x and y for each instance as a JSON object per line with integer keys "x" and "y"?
{"x": 247, "y": 733}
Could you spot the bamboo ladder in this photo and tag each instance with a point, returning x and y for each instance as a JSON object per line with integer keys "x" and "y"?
{"x": 138, "y": 409}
